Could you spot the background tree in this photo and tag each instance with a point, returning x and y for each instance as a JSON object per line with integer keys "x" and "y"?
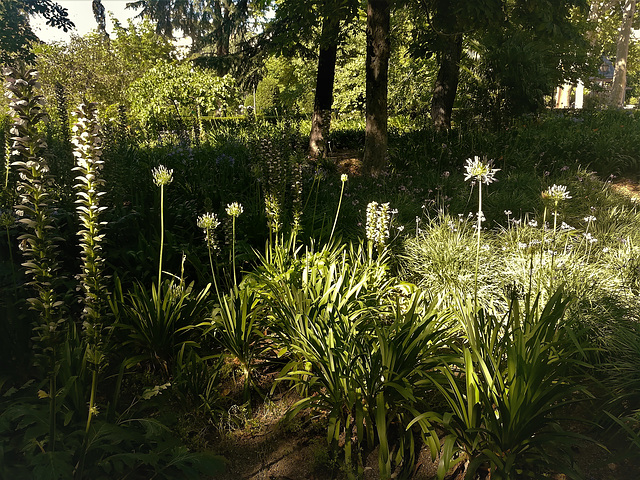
{"x": 102, "y": 71}
{"x": 377, "y": 69}
{"x": 15, "y": 30}
{"x": 170, "y": 92}
{"x": 321, "y": 24}
{"x": 500, "y": 39}
{"x": 214, "y": 26}
{"x": 619, "y": 86}
{"x": 101, "y": 20}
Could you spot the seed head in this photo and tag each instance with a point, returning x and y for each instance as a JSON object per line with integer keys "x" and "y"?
{"x": 209, "y": 222}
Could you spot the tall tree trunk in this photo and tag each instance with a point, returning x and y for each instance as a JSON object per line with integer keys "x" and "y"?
{"x": 223, "y": 40}
{"x": 619, "y": 86}
{"x": 444, "y": 90}
{"x": 323, "y": 101}
{"x": 377, "y": 68}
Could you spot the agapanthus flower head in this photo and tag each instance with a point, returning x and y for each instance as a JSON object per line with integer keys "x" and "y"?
{"x": 556, "y": 193}
{"x": 234, "y": 209}
{"x": 208, "y": 223}
{"x": 479, "y": 170}
{"x": 162, "y": 175}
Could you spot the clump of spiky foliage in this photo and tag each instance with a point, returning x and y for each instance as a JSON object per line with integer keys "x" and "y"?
{"x": 38, "y": 242}
{"x": 87, "y": 150}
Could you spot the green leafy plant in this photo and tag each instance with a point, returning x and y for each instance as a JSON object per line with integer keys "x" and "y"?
{"x": 235, "y": 327}
{"x": 510, "y": 392}
{"x": 133, "y": 444}
{"x": 87, "y": 144}
{"x": 87, "y": 150}
{"x": 333, "y": 313}
{"x": 38, "y": 243}
{"x": 157, "y": 322}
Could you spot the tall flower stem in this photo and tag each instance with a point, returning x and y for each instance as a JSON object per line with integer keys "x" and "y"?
{"x": 542, "y": 241}
{"x": 553, "y": 244}
{"x": 481, "y": 172}
{"x": 88, "y": 150}
{"x": 343, "y": 179}
{"x": 208, "y": 223}
{"x": 161, "y": 235}
{"x": 478, "y": 228}
{"x": 234, "y": 210}
{"x": 38, "y": 242}
{"x": 555, "y": 194}
{"x": 161, "y": 176}
{"x": 233, "y": 250}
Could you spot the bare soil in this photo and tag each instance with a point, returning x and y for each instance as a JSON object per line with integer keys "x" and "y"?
{"x": 267, "y": 448}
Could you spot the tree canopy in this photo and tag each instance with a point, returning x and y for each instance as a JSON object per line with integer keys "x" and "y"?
{"x": 15, "y": 30}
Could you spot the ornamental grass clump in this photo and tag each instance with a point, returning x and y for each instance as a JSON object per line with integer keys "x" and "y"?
{"x": 509, "y": 390}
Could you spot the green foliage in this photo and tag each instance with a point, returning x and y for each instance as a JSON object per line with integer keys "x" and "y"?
{"x": 268, "y": 97}
{"x": 100, "y": 70}
{"x": 507, "y": 405}
{"x": 171, "y": 95}
{"x": 286, "y": 87}
{"x": 235, "y": 327}
{"x": 335, "y": 311}
{"x": 156, "y": 323}
{"x": 134, "y": 444}
{"x": 15, "y": 31}
{"x": 88, "y": 143}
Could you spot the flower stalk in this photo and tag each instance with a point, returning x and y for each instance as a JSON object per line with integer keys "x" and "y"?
{"x": 556, "y": 194}
{"x": 38, "y": 242}
{"x": 161, "y": 176}
{"x": 87, "y": 144}
{"x": 343, "y": 180}
{"x": 234, "y": 210}
{"x": 208, "y": 223}
{"x": 479, "y": 171}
